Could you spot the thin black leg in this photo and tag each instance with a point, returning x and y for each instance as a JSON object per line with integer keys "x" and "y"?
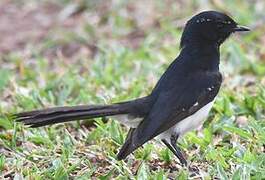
{"x": 176, "y": 152}
{"x": 173, "y": 142}
{"x": 169, "y": 146}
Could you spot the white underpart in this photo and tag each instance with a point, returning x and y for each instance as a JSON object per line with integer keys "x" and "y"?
{"x": 192, "y": 122}
{"x": 128, "y": 120}
{"x": 187, "y": 124}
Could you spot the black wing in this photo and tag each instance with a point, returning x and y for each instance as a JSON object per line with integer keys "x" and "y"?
{"x": 172, "y": 106}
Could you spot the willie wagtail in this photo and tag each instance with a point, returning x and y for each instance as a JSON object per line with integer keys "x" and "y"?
{"x": 181, "y": 99}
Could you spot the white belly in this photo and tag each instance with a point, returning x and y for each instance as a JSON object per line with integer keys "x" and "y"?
{"x": 187, "y": 124}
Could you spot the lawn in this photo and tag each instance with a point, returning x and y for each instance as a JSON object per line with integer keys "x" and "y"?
{"x": 55, "y": 53}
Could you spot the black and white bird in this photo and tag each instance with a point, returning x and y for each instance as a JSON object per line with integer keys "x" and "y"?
{"x": 181, "y": 99}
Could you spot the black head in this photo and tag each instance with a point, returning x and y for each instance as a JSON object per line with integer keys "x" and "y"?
{"x": 209, "y": 27}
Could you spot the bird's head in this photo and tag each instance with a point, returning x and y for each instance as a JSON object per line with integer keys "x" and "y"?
{"x": 209, "y": 27}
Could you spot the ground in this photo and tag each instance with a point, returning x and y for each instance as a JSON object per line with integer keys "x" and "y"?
{"x": 62, "y": 52}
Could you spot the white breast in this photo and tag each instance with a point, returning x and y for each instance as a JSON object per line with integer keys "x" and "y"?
{"x": 189, "y": 123}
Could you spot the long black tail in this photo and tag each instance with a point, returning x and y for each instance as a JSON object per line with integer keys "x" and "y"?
{"x": 55, "y": 115}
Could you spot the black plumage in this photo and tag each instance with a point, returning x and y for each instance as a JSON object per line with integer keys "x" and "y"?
{"x": 189, "y": 85}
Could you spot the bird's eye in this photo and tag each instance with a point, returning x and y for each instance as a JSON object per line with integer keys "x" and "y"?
{"x": 220, "y": 24}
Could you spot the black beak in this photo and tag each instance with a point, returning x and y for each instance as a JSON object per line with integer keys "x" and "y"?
{"x": 241, "y": 28}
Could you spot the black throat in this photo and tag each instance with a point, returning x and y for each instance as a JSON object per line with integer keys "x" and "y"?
{"x": 201, "y": 56}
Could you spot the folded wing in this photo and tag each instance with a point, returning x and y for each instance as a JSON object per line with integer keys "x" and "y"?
{"x": 172, "y": 106}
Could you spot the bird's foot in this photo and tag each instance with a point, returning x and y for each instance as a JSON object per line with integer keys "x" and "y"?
{"x": 194, "y": 170}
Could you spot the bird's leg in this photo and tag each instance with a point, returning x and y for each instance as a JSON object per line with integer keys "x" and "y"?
{"x": 178, "y": 153}
{"x": 175, "y": 152}
{"x": 169, "y": 146}
{"x": 173, "y": 142}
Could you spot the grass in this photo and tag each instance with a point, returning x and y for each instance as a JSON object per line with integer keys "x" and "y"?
{"x": 121, "y": 54}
